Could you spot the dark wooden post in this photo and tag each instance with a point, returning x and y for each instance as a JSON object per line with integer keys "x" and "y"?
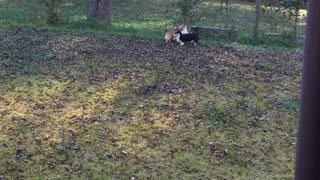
{"x": 308, "y": 146}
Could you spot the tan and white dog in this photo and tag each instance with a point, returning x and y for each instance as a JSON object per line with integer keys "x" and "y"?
{"x": 169, "y": 35}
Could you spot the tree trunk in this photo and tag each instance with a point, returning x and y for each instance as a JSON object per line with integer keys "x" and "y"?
{"x": 296, "y": 20}
{"x": 256, "y": 22}
{"x": 100, "y": 9}
{"x": 108, "y": 18}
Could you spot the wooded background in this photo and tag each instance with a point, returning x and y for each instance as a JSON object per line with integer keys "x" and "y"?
{"x": 277, "y": 21}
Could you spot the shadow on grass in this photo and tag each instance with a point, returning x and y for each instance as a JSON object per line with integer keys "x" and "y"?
{"x": 80, "y": 106}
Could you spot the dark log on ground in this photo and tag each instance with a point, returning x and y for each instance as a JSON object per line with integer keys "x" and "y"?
{"x": 213, "y": 31}
{"x": 298, "y": 38}
{"x": 287, "y": 36}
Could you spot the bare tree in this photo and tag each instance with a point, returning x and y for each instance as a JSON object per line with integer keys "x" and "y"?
{"x": 100, "y": 9}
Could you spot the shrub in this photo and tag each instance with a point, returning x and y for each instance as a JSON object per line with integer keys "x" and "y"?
{"x": 188, "y": 8}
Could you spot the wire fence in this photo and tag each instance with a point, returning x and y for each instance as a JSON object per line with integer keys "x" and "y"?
{"x": 151, "y": 18}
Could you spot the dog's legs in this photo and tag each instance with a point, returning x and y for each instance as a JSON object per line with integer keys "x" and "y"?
{"x": 167, "y": 43}
{"x": 194, "y": 42}
{"x": 180, "y": 42}
{"x": 177, "y": 39}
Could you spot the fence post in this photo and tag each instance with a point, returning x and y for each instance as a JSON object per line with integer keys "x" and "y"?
{"x": 308, "y": 146}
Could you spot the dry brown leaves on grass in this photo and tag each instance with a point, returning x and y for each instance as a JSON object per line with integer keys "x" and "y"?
{"x": 83, "y": 106}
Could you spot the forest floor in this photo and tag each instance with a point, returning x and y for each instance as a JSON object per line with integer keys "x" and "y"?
{"x": 81, "y": 106}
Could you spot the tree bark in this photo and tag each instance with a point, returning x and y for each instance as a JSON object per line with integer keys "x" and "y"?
{"x": 100, "y": 9}
{"x": 108, "y": 18}
{"x": 256, "y": 22}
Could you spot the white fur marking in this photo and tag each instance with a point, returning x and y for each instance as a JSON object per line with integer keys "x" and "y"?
{"x": 185, "y": 30}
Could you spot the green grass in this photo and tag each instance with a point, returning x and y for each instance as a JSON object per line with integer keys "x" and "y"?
{"x": 78, "y": 106}
{"x": 152, "y": 18}
{"x": 79, "y": 103}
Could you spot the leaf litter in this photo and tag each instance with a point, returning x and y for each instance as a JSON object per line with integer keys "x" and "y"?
{"x": 84, "y": 106}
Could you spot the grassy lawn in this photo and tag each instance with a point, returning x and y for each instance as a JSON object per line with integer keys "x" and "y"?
{"x": 80, "y": 106}
{"x": 79, "y": 103}
{"x": 152, "y": 18}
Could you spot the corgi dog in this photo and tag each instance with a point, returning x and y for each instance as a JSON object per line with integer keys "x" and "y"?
{"x": 182, "y": 38}
{"x": 169, "y": 35}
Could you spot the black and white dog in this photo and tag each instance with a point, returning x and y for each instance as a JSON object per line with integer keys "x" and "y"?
{"x": 182, "y": 38}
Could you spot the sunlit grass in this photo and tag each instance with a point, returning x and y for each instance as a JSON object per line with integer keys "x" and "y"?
{"x": 80, "y": 106}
